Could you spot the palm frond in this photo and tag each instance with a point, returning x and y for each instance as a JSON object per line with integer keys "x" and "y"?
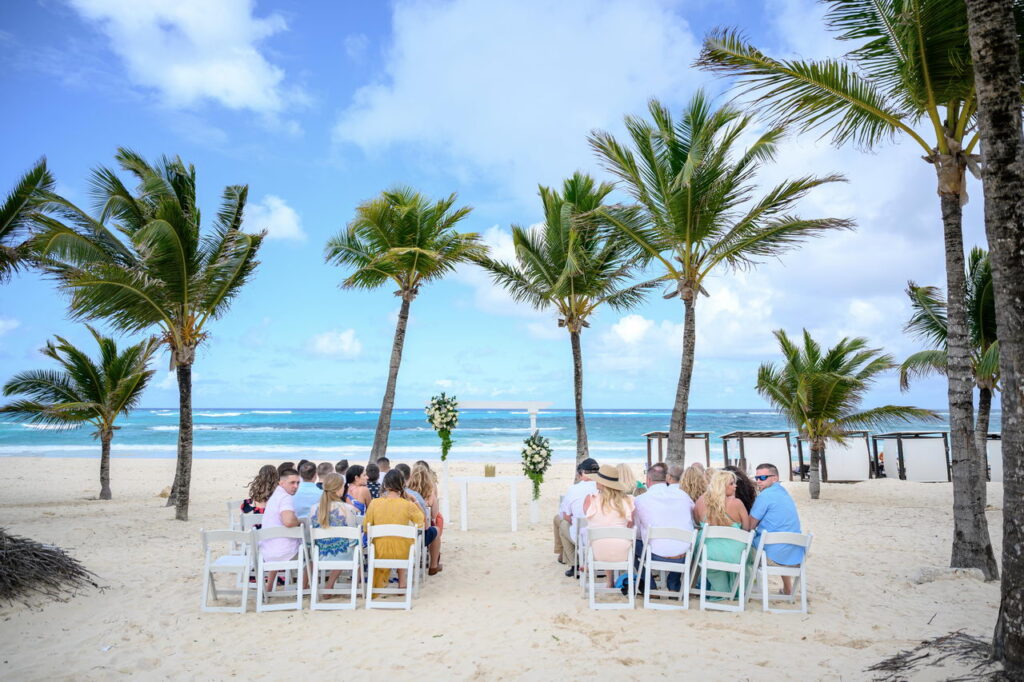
{"x": 928, "y": 321}
{"x": 19, "y": 209}
{"x": 921, "y": 364}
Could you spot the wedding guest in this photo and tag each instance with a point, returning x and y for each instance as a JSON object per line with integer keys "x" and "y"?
{"x": 746, "y": 491}
{"x": 610, "y": 507}
{"x": 422, "y": 482}
{"x": 393, "y": 507}
{"x": 280, "y": 513}
{"x": 774, "y": 511}
{"x": 373, "y": 480}
{"x": 718, "y": 506}
{"x": 694, "y": 483}
{"x": 663, "y": 506}
{"x": 308, "y": 494}
{"x": 385, "y": 465}
{"x": 332, "y": 510}
{"x": 260, "y": 490}
{"x": 570, "y": 510}
{"x": 358, "y": 494}
{"x": 322, "y": 469}
{"x": 285, "y": 465}
{"x": 406, "y": 472}
{"x": 341, "y": 467}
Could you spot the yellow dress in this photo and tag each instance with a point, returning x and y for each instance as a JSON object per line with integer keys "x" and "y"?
{"x": 387, "y": 510}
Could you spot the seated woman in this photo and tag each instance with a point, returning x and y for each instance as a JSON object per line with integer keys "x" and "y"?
{"x": 720, "y": 507}
{"x": 746, "y": 491}
{"x": 438, "y": 520}
{"x": 330, "y": 511}
{"x": 260, "y": 490}
{"x": 373, "y": 480}
{"x": 358, "y": 494}
{"x": 610, "y": 507}
{"x": 694, "y": 484}
{"x": 422, "y": 482}
{"x": 392, "y": 507}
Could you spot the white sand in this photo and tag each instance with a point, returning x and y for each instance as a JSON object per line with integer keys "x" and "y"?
{"x": 500, "y": 609}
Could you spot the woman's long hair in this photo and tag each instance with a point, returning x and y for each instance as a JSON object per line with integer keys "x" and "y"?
{"x": 335, "y": 488}
{"x": 354, "y": 472}
{"x": 422, "y": 481}
{"x": 746, "y": 491}
{"x": 394, "y": 482}
{"x": 693, "y": 484}
{"x": 626, "y": 476}
{"x": 262, "y": 487}
{"x": 715, "y": 498}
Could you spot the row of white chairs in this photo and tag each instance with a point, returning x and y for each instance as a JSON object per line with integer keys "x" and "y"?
{"x": 244, "y": 560}
{"x": 694, "y": 569}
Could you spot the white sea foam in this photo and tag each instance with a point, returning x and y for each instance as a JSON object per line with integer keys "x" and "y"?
{"x": 219, "y": 414}
{"x": 272, "y": 412}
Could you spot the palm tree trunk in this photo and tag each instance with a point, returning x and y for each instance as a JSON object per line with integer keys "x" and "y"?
{"x": 582, "y": 450}
{"x": 380, "y": 438}
{"x": 972, "y": 547}
{"x": 814, "y": 473}
{"x": 981, "y": 422}
{"x": 105, "y": 437}
{"x": 677, "y": 426}
{"x": 997, "y": 72}
{"x": 183, "y": 472}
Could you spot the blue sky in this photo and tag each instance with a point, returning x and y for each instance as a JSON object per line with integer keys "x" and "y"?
{"x": 319, "y": 105}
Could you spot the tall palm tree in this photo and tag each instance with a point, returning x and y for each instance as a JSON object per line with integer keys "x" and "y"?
{"x": 571, "y": 265}
{"x": 404, "y": 238}
{"x": 698, "y": 208}
{"x": 910, "y": 77}
{"x": 995, "y": 48}
{"x": 16, "y": 216}
{"x": 83, "y": 391}
{"x": 161, "y": 272}
{"x": 928, "y": 323}
{"x": 820, "y": 393}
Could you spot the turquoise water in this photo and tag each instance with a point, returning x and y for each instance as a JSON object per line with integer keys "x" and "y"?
{"x": 491, "y": 435}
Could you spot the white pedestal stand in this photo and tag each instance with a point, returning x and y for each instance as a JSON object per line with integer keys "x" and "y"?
{"x": 446, "y": 506}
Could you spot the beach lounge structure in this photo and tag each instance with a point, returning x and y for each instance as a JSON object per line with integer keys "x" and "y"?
{"x": 994, "y": 453}
{"x": 919, "y": 455}
{"x": 696, "y": 447}
{"x": 842, "y": 462}
{"x": 751, "y": 448}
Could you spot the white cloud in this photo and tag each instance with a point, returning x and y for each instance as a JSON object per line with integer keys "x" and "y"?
{"x": 337, "y": 344}
{"x": 8, "y": 324}
{"x": 191, "y": 51}
{"x": 632, "y": 329}
{"x": 487, "y": 295}
{"x": 277, "y": 217}
{"x": 509, "y": 91}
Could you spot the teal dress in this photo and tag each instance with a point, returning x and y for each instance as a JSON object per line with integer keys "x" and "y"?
{"x": 341, "y": 549}
{"x": 723, "y": 549}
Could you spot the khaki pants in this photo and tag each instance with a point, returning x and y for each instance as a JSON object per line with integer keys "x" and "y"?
{"x": 568, "y": 546}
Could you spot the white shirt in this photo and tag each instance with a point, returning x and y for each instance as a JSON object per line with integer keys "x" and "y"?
{"x": 664, "y": 506}
{"x": 278, "y": 549}
{"x": 572, "y": 502}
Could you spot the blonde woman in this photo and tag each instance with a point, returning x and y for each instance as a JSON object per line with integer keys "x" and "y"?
{"x": 421, "y": 480}
{"x": 610, "y": 507}
{"x": 626, "y": 476}
{"x": 332, "y": 510}
{"x": 719, "y": 506}
{"x": 694, "y": 484}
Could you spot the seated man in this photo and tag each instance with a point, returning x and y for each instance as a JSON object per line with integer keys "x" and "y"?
{"x": 775, "y": 512}
{"x": 341, "y": 467}
{"x": 664, "y": 505}
{"x": 384, "y": 464}
{"x": 570, "y": 511}
{"x": 308, "y": 495}
{"x": 280, "y": 512}
{"x": 322, "y": 469}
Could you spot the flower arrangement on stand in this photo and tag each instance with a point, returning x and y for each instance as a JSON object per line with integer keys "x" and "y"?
{"x": 443, "y": 414}
{"x": 536, "y": 460}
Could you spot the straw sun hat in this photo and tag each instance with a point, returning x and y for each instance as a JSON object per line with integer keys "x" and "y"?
{"x": 608, "y": 476}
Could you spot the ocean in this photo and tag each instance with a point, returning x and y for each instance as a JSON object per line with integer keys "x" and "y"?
{"x": 326, "y": 434}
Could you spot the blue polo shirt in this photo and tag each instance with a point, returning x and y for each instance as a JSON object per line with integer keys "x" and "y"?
{"x": 776, "y": 511}
{"x": 306, "y": 497}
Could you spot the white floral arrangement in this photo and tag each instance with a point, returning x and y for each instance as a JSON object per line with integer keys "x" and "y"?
{"x": 536, "y": 460}
{"x": 443, "y": 414}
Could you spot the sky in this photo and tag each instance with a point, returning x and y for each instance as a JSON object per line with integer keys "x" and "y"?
{"x": 319, "y": 105}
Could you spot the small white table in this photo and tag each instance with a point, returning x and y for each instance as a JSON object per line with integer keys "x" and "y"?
{"x": 464, "y": 481}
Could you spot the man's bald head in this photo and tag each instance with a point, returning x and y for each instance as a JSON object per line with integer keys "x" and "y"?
{"x": 674, "y": 474}
{"x": 656, "y": 474}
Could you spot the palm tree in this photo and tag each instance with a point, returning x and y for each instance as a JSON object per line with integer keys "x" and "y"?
{"x": 820, "y": 393}
{"x": 569, "y": 264}
{"x": 163, "y": 273}
{"x": 910, "y": 77}
{"x": 928, "y": 323}
{"x": 995, "y": 47}
{"x": 403, "y": 238}
{"x": 699, "y": 208}
{"x": 16, "y": 215}
{"x": 83, "y": 391}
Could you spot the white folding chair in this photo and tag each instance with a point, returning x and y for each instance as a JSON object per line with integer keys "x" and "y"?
{"x": 649, "y": 565}
{"x": 250, "y": 521}
{"x": 740, "y": 569}
{"x": 698, "y": 542}
{"x": 238, "y": 565}
{"x": 580, "y": 540}
{"x": 594, "y": 534}
{"x": 297, "y": 564}
{"x": 422, "y": 556}
{"x": 354, "y": 566}
{"x": 762, "y": 570}
{"x": 235, "y": 514}
{"x": 408, "y": 563}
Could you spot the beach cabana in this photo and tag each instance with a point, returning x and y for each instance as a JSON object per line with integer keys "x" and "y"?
{"x": 751, "y": 448}
{"x": 842, "y": 462}
{"x": 696, "y": 447}
{"x": 994, "y": 454}
{"x": 919, "y": 455}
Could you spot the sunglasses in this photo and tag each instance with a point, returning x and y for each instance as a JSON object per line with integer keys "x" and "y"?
{"x": 765, "y": 477}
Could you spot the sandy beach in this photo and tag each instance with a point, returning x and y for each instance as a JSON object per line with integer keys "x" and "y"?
{"x": 501, "y": 609}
